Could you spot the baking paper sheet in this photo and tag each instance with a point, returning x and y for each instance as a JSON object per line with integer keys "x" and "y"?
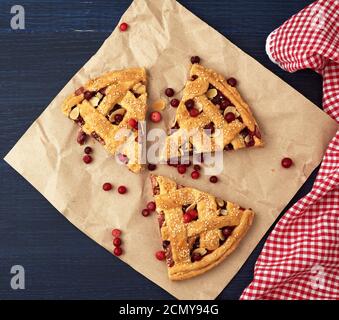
{"x": 159, "y": 39}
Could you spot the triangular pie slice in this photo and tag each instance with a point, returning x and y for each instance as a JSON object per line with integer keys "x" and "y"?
{"x": 198, "y": 230}
{"x": 210, "y": 106}
{"x": 104, "y": 106}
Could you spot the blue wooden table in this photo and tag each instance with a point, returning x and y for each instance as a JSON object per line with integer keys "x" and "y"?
{"x": 35, "y": 63}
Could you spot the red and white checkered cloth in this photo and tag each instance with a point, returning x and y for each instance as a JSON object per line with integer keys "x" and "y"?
{"x": 300, "y": 259}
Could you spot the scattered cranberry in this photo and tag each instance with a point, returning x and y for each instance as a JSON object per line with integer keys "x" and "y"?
{"x": 181, "y": 168}
{"x": 194, "y": 112}
{"x": 122, "y": 189}
{"x": 189, "y": 103}
{"x": 155, "y": 116}
{"x": 195, "y": 59}
{"x": 123, "y": 26}
{"x": 87, "y": 158}
{"x": 169, "y": 92}
{"x": 151, "y": 206}
{"x": 187, "y": 217}
{"x": 232, "y": 82}
{"x": 145, "y": 212}
{"x": 193, "y": 214}
{"x": 133, "y": 123}
{"x": 227, "y": 231}
{"x": 79, "y": 91}
{"x": 286, "y": 162}
{"x": 117, "y": 242}
{"x": 88, "y": 150}
{"x": 107, "y": 186}
{"x": 117, "y": 251}
{"x": 175, "y": 103}
{"x": 196, "y": 167}
{"x": 214, "y": 179}
{"x": 81, "y": 138}
{"x": 195, "y": 175}
{"x": 160, "y": 255}
{"x": 116, "y": 233}
{"x": 229, "y": 117}
{"x": 151, "y": 167}
{"x": 88, "y": 95}
{"x": 196, "y": 257}
{"x": 194, "y": 77}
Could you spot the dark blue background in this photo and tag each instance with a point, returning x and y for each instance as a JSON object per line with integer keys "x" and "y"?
{"x": 35, "y": 64}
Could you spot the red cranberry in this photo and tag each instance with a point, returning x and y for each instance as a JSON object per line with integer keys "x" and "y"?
{"x": 87, "y": 158}
{"x": 229, "y": 117}
{"x": 155, "y": 116}
{"x": 196, "y": 257}
{"x": 194, "y": 77}
{"x": 133, "y": 123}
{"x": 286, "y": 162}
{"x": 160, "y": 255}
{"x": 214, "y": 179}
{"x": 175, "y": 103}
{"x": 194, "y": 112}
{"x": 116, "y": 233}
{"x": 189, "y": 103}
{"x": 232, "y": 82}
{"x": 193, "y": 214}
{"x": 181, "y": 168}
{"x": 117, "y": 242}
{"x": 88, "y": 95}
{"x": 79, "y": 91}
{"x": 122, "y": 189}
{"x": 151, "y": 206}
{"x": 107, "y": 186}
{"x": 118, "y": 118}
{"x": 151, "y": 167}
{"x": 123, "y": 27}
{"x": 187, "y": 217}
{"x": 196, "y": 167}
{"x": 117, "y": 251}
{"x": 227, "y": 231}
{"x": 195, "y": 175}
{"x": 224, "y": 104}
{"x": 88, "y": 150}
{"x": 169, "y": 92}
{"x": 145, "y": 212}
{"x": 81, "y": 138}
{"x": 195, "y": 59}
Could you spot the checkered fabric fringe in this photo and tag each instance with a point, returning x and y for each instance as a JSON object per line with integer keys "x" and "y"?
{"x": 300, "y": 259}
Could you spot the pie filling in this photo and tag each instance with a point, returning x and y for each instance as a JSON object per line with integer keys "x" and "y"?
{"x": 228, "y": 111}
{"x": 196, "y": 252}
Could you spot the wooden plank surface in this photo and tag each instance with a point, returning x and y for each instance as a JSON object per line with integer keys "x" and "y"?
{"x": 35, "y": 63}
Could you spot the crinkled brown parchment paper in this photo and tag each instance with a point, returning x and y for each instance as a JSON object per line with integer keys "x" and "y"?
{"x": 160, "y": 40}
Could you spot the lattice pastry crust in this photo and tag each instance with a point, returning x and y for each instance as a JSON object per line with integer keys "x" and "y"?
{"x": 218, "y": 107}
{"x": 104, "y": 105}
{"x": 193, "y": 248}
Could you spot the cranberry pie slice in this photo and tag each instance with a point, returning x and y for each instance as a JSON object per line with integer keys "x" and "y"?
{"x": 107, "y": 105}
{"x": 198, "y": 230}
{"x": 211, "y": 105}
